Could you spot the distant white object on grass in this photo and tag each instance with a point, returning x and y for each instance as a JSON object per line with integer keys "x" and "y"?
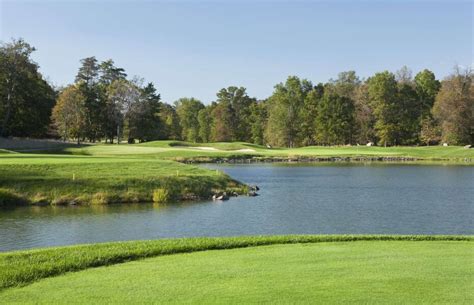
{"x": 445, "y": 144}
{"x": 269, "y": 146}
{"x": 370, "y": 144}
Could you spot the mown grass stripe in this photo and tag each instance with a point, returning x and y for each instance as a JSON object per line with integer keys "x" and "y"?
{"x": 20, "y": 268}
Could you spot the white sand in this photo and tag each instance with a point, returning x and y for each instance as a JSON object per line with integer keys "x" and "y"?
{"x": 206, "y": 148}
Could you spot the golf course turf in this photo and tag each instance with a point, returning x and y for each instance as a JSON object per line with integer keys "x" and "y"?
{"x": 316, "y": 269}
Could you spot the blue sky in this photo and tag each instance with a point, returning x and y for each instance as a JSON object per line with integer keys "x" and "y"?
{"x": 195, "y": 48}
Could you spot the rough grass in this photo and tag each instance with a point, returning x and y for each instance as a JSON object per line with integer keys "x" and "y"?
{"x": 23, "y": 267}
{"x": 60, "y": 179}
{"x": 363, "y": 272}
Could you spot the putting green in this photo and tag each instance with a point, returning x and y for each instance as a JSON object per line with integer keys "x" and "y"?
{"x": 401, "y": 272}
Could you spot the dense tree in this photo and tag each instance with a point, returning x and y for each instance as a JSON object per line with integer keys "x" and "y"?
{"x": 387, "y": 108}
{"x": 427, "y": 87}
{"x": 454, "y": 108}
{"x": 145, "y": 121}
{"x": 382, "y": 90}
{"x": 222, "y": 117}
{"x": 235, "y": 111}
{"x": 335, "y": 120}
{"x": 364, "y": 119}
{"x": 69, "y": 113}
{"x": 345, "y": 85}
{"x": 285, "y": 108}
{"x": 170, "y": 121}
{"x": 408, "y": 109}
{"x": 87, "y": 79}
{"x": 258, "y": 118}
{"x": 26, "y": 99}
{"x": 188, "y": 110}
{"x": 430, "y": 132}
{"x": 110, "y": 73}
{"x": 308, "y": 115}
{"x": 204, "y": 120}
{"x": 122, "y": 96}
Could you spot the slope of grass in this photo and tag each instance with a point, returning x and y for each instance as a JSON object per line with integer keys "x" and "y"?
{"x": 23, "y": 267}
{"x": 388, "y": 272}
{"x": 59, "y": 179}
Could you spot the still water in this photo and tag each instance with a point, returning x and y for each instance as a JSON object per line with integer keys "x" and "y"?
{"x": 294, "y": 199}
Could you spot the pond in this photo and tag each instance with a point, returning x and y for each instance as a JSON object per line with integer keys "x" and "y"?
{"x": 331, "y": 198}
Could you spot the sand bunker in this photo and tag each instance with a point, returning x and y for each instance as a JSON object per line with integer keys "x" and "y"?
{"x": 206, "y": 148}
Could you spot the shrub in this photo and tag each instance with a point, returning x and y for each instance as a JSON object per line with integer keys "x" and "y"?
{"x": 161, "y": 195}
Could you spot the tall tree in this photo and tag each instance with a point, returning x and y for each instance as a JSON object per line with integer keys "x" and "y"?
{"x": 122, "y": 96}
{"x": 204, "y": 120}
{"x": 145, "y": 121}
{"x": 346, "y": 84}
{"x": 69, "y": 113}
{"x": 26, "y": 99}
{"x": 258, "y": 118}
{"x": 364, "y": 119}
{"x": 382, "y": 91}
{"x": 237, "y": 103}
{"x": 187, "y": 110}
{"x": 170, "y": 120}
{"x": 309, "y": 113}
{"x": 454, "y": 108}
{"x": 87, "y": 78}
{"x": 335, "y": 120}
{"x": 285, "y": 108}
{"x": 222, "y": 118}
{"x": 408, "y": 108}
{"x": 88, "y": 71}
{"x": 427, "y": 87}
{"x": 109, "y": 72}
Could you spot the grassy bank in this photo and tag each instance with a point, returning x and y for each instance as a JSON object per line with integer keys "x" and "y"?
{"x": 429, "y": 269}
{"x": 62, "y": 179}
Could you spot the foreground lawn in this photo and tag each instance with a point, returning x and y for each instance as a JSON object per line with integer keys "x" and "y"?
{"x": 377, "y": 271}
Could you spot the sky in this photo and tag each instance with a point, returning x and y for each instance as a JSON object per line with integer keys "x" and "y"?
{"x": 195, "y": 48}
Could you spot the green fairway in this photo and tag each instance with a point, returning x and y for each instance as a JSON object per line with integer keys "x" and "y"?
{"x": 184, "y": 150}
{"x": 389, "y": 272}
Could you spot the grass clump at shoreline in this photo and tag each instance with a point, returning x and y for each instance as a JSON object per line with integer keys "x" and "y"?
{"x": 23, "y": 267}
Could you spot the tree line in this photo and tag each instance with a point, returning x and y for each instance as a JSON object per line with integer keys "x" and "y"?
{"x": 104, "y": 104}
